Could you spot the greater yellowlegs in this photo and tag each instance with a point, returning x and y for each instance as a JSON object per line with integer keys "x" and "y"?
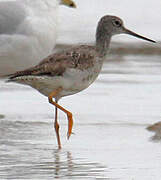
{"x": 28, "y": 32}
{"x": 71, "y": 71}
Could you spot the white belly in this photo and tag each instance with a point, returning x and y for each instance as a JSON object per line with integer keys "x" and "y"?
{"x": 72, "y": 82}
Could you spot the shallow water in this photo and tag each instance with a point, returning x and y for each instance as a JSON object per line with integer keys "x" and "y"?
{"x": 110, "y": 139}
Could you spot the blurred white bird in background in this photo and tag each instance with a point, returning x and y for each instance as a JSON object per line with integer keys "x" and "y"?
{"x": 27, "y": 32}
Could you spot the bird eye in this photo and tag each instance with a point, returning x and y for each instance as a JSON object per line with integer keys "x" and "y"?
{"x": 117, "y": 23}
{"x": 72, "y": 4}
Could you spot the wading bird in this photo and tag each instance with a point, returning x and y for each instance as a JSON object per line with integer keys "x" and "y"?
{"x": 71, "y": 71}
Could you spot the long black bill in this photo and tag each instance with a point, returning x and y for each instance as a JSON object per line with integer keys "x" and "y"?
{"x": 138, "y": 36}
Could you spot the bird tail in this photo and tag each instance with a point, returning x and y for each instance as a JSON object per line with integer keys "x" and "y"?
{"x": 7, "y": 78}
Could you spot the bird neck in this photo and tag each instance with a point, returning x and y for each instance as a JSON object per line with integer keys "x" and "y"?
{"x": 102, "y": 41}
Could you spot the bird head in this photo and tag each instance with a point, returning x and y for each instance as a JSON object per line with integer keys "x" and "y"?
{"x": 112, "y": 25}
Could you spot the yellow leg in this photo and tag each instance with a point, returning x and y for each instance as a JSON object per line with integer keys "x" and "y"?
{"x": 56, "y": 126}
{"x": 69, "y": 114}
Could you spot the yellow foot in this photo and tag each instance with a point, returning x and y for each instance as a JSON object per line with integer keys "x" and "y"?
{"x": 70, "y": 124}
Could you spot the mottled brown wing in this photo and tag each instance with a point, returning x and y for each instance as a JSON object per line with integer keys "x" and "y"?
{"x": 47, "y": 67}
{"x": 57, "y": 63}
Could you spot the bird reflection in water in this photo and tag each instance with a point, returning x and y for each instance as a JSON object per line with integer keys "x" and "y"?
{"x": 65, "y": 166}
{"x": 60, "y": 165}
